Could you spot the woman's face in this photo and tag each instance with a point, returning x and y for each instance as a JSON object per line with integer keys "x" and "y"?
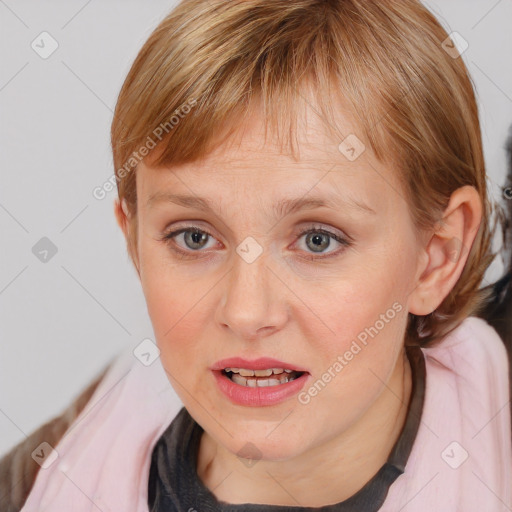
{"x": 320, "y": 288}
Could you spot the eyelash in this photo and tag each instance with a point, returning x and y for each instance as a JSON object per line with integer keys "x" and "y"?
{"x": 168, "y": 237}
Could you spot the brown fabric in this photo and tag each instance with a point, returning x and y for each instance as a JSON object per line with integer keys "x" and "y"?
{"x": 18, "y": 470}
{"x": 498, "y": 313}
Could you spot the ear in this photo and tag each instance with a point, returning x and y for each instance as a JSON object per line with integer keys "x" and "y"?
{"x": 447, "y": 251}
{"x": 123, "y": 218}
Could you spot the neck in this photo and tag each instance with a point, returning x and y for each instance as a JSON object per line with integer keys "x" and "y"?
{"x": 327, "y": 474}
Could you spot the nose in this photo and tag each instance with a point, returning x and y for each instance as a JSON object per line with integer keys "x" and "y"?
{"x": 253, "y": 302}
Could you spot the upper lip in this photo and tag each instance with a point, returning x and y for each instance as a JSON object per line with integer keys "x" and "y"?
{"x": 261, "y": 363}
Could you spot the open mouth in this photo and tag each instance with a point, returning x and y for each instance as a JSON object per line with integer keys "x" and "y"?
{"x": 261, "y": 378}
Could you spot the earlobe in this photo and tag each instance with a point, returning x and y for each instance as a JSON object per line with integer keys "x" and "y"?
{"x": 447, "y": 251}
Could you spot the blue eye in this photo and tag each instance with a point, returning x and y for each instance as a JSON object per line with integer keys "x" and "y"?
{"x": 319, "y": 239}
{"x": 194, "y": 239}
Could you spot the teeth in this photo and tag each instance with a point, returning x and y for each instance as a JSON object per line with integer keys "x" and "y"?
{"x": 244, "y": 372}
{"x": 261, "y": 383}
{"x": 251, "y": 383}
{"x": 263, "y": 373}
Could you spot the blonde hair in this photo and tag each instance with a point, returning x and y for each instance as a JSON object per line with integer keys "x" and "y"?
{"x": 208, "y": 61}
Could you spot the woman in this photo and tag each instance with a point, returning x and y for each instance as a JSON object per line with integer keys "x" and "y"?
{"x": 313, "y": 304}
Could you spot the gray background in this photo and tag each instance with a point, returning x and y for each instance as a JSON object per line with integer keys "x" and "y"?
{"x": 62, "y": 320}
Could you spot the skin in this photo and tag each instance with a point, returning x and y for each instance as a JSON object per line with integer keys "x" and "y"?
{"x": 212, "y": 304}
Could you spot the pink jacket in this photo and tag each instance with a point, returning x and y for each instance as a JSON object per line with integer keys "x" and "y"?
{"x": 461, "y": 460}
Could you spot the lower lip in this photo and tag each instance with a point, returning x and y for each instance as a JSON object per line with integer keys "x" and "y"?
{"x": 257, "y": 397}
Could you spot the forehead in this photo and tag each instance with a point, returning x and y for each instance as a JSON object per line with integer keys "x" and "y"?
{"x": 253, "y": 160}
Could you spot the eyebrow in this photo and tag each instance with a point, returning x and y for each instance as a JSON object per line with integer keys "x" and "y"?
{"x": 281, "y": 208}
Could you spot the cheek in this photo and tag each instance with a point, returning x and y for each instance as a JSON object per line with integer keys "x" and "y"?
{"x": 168, "y": 293}
{"x": 357, "y": 334}
{"x": 345, "y": 308}
{"x": 176, "y": 310}
{"x": 176, "y": 317}
{"x": 178, "y": 324}
{"x": 355, "y": 368}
